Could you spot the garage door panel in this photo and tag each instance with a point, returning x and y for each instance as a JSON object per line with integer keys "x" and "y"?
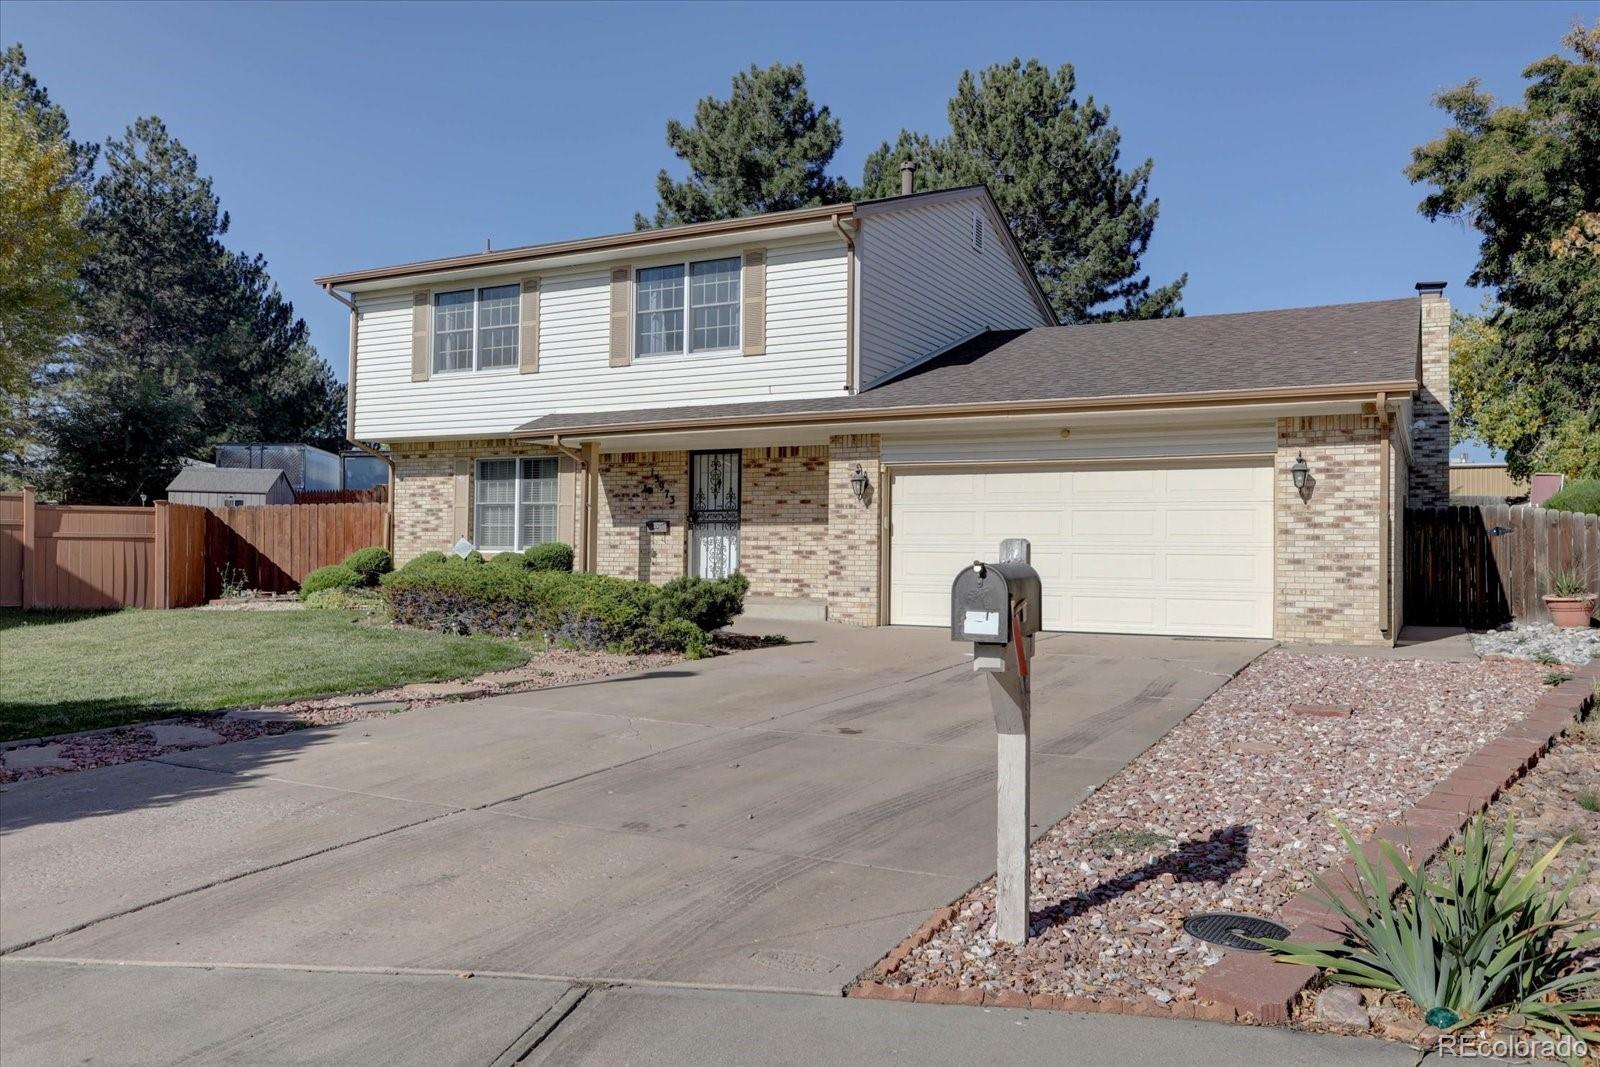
{"x": 1185, "y": 550}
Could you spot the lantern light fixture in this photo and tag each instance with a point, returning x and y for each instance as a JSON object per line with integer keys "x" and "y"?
{"x": 858, "y": 483}
{"x": 1300, "y": 471}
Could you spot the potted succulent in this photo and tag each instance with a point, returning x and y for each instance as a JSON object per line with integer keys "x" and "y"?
{"x": 1570, "y": 600}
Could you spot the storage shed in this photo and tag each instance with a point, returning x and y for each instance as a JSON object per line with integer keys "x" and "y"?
{"x": 230, "y": 487}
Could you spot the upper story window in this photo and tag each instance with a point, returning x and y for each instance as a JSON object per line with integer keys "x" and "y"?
{"x": 475, "y": 329}
{"x": 708, "y": 290}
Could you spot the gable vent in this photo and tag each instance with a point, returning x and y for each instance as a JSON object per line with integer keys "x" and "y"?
{"x": 977, "y": 232}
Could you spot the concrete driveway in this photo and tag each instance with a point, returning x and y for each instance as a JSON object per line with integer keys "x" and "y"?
{"x": 774, "y": 820}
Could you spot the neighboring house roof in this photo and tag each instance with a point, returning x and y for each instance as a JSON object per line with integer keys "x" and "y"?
{"x": 1293, "y": 352}
{"x": 620, "y": 241}
{"x": 226, "y": 480}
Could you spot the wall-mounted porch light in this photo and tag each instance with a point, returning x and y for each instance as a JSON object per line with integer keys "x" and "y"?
{"x": 858, "y": 484}
{"x": 1300, "y": 471}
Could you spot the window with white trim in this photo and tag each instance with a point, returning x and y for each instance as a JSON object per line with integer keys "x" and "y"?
{"x": 684, "y": 308}
{"x": 514, "y": 503}
{"x": 476, "y": 329}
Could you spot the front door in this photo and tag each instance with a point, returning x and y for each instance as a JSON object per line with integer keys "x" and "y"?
{"x": 713, "y": 514}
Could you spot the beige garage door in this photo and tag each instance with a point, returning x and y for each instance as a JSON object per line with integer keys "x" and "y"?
{"x": 1174, "y": 550}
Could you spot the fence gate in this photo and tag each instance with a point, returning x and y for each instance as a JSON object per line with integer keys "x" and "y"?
{"x": 1483, "y": 566}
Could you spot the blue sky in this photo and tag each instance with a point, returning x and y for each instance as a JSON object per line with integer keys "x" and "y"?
{"x": 343, "y": 136}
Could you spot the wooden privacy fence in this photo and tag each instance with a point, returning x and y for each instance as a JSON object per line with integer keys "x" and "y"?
{"x": 56, "y": 556}
{"x": 378, "y": 494}
{"x": 1484, "y": 565}
{"x": 273, "y": 548}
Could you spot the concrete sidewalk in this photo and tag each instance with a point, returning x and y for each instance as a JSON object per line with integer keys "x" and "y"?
{"x": 167, "y": 1014}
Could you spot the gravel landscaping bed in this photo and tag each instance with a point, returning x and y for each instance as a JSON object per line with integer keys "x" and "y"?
{"x": 1232, "y": 810}
{"x": 1539, "y": 641}
{"x": 1559, "y": 798}
{"x": 104, "y": 748}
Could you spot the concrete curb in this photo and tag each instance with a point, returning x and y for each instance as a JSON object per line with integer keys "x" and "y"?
{"x": 1253, "y": 987}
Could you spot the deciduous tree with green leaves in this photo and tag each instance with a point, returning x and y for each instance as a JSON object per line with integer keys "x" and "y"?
{"x": 767, "y": 147}
{"x": 1525, "y": 374}
{"x": 1053, "y": 163}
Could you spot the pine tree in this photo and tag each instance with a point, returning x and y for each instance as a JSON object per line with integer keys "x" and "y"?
{"x": 1053, "y": 163}
{"x": 765, "y": 148}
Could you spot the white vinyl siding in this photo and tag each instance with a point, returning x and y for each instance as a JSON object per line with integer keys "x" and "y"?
{"x": 805, "y": 356}
{"x": 928, "y": 281}
{"x": 514, "y": 503}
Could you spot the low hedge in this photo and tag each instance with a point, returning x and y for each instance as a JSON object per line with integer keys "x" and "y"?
{"x": 585, "y": 610}
{"x": 371, "y": 563}
{"x": 1582, "y": 494}
{"x": 552, "y": 556}
{"x": 337, "y": 576}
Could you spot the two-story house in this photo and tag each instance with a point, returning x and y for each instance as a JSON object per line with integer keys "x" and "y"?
{"x": 849, "y": 403}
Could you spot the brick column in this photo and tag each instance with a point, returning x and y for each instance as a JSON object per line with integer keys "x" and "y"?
{"x": 1326, "y": 552}
{"x": 854, "y": 527}
{"x": 1430, "y": 444}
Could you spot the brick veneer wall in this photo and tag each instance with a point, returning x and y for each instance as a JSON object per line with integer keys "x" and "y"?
{"x": 635, "y": 487}
{"x": 1430, "y": 445}
{"x": 1326, "y": 555}
{"x": 424, "y": 489}
{"x": 854, "y": 530}
{"x": 783, "y": 537}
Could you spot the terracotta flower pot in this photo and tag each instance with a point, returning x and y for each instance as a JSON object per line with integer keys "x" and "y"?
{"x": 1570, "y": 611}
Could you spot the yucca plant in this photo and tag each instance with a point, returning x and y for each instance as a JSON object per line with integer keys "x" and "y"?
{"x": 1482, "y": 939}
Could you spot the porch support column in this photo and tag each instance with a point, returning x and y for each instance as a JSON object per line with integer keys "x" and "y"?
{"x": 589, "y": 515}
{"x": 855, "y": 531}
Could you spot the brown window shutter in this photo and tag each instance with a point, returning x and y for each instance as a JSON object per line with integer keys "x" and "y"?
{"x": 463, "y": 498}
{"x": 421, "y": 336}
{"x": 528, "y": 336}
{"x": 621, "y": 316}
{"x": 566, "y": 500}
{"x": 753, "y": 293}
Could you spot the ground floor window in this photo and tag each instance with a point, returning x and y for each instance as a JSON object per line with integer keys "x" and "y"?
{"x": 515, "y": 503}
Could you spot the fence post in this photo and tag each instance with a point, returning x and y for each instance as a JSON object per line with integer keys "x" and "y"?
{"x": 29, "y": 526}
{"x": 163, "y": 562}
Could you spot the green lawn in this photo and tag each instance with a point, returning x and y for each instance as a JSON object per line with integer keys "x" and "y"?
{"x": 68, "y": 671}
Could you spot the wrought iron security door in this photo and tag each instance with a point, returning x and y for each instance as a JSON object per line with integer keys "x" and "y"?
{"x": 714, "y": 513}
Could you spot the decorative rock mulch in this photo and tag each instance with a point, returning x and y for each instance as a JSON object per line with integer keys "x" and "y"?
{"x": 1231, "y": 811}
{"x": 1540, "y": 641}
{"x": 1559, "y": 798}
{"x": 103, "y": 748}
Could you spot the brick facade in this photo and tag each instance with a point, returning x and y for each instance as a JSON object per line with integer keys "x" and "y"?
{"x": 854, "y": 530}
{"x": 425, "y": 489}
{"x": 783, "y": 537}
{"x": 1326, "y": 557}
{"x": 636, "y": 487}
{"x": 1430, "y": 443}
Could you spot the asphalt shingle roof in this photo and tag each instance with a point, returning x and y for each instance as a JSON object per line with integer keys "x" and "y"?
{"x": 1337, "y": 344}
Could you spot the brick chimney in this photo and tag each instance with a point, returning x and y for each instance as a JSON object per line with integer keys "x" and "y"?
{"x": 1429, "y": 485}
{"x": 908, "y": 177}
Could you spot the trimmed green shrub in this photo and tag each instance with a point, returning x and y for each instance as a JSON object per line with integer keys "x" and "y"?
{"x": 582, "y": 610}
{"x": 472, "y": 557}
{"x": 710, "y": 605}
{"x": 357, "y": 599}
{"x": 1581, "y": 495}
{"x": 551, "y": 556}
{"x": 427, "y": 559}
{"x": 337, "y": 576}
{"x": 371, "y": 563}
{"x": 509, "y": 559}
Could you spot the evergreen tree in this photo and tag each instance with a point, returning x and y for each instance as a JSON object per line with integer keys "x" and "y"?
{"x": 183, "y": 343}
{"x": 1526, "y": 377}
{"x": 765, "y": 148}
{"x": 1053, "y": 163}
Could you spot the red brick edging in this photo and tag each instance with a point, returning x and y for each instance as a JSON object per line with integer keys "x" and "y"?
{"x": 1253, "y": 987}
